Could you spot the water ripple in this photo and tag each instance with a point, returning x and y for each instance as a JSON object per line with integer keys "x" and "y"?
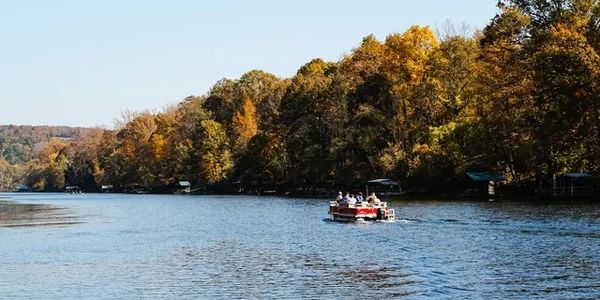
{"x": 176, "y": 247}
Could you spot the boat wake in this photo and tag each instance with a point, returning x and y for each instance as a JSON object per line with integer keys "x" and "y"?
{"x": 361, "y": 221}
{"x": 407, "y": 221}
{"x": 388, "y": 221}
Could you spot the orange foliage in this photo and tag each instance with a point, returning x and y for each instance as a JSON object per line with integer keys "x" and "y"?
{"x": 244, "y": 123}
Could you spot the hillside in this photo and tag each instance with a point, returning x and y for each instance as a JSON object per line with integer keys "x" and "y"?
{"x": 19, "y": 143}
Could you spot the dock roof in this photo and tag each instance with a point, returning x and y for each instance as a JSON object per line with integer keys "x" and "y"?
{"x": 485, "y": 176}
{"x": 384, "y": 181}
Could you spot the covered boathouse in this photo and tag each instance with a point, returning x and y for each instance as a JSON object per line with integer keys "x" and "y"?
{"x": 572, "y": 185}
{"x": 482, "y": 184}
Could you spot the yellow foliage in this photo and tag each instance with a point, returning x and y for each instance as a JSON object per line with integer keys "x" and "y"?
{"x": 158, "y": 146}
{"x": 128, "y": 151}
{"x": 389, "y": 158}
{"x": 51, "y": 150}
{"x": 421, "y": 149}
{"x": 245, "y": 124}
{"x": 409, "y": 53}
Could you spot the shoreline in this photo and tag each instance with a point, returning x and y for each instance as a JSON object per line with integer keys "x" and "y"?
{"x": 420, "y": 197}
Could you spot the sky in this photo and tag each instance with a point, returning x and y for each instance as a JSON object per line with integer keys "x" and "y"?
{"x": 83, "y": 62}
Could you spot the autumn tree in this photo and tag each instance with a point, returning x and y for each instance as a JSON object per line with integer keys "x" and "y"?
{"x": 505, "y": 85}
{"x": 47, "y": 171}
{"x": 10, "y": 175}
{"x": 369, "y": 105}
{"x": 405, "y": 67}
{"x": 244, "y": 125}
{"x": 265, "y": 91}
{"x": 389, "y": 114}
{"x": 265, "y": 161}
{"x": 84, "y": 168}
{"x": 444, "y": 104}
{"x": 130, "y": 161}
{"x": 215, "y": 156}
{"x": 307, "y": 112}
{"x": 553, "y": 44}
{"x": 567, "y": 75}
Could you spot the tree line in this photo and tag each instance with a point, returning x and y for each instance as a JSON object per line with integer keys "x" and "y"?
{"x": 520, "y": 97}
{"x": 20, "y": 144}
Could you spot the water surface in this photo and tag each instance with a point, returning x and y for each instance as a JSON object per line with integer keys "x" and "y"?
{"x": 107, "y": 246}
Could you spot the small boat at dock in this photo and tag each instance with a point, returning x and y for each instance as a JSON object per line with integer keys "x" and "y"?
{"x": 73, "y": 189}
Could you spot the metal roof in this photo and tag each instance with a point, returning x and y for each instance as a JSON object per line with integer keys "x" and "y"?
{"x": 486, "y": 176}
{"x": 577, "y": 175}
{"x": 384, "y": 181}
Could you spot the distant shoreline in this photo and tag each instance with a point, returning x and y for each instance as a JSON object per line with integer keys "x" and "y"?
{"x": 421, "y": 197}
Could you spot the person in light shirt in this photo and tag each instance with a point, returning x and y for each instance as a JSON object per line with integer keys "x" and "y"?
{"x": 351, "y": 200}
{"x": 373, "y": 199}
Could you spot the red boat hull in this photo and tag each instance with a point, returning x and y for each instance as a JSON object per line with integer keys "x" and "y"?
{"x": 356, "y": 213}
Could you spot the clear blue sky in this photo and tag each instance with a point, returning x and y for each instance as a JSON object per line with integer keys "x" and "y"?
{"x": 82, "y": 62}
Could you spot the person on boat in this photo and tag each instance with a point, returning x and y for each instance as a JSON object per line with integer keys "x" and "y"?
{"x": 373, "y": 199}
{"x": 359, "y": 197}
{"x": 351, "y": 200}
{"x": 345, "y": 199}
{"x": 339, "y": 197}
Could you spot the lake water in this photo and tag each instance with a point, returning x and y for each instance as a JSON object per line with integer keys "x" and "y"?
{"x": 107, "y": 246}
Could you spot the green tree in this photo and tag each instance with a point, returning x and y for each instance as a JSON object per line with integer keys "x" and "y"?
{"x": 308, "y": 112}
{"x": 215, "y": 156}
{"x": 567, "y": 100}
{"x": 444, "y": 104}
{"x": 265, "y": 160}
{"x": 504, "y": 133}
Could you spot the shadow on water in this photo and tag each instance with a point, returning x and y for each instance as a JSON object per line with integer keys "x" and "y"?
{"x": 14, "y": 214}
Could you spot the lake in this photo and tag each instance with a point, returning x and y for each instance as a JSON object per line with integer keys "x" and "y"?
{"x": 107, "y": 246}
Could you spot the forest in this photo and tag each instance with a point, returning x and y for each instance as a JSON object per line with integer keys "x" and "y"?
{"x": 20, "y": 144}
{"x": 520, "y": 96}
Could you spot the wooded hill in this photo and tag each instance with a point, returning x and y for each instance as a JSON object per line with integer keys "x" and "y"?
{"x": 19, "y": 144}
{"x": 520, "y": 97}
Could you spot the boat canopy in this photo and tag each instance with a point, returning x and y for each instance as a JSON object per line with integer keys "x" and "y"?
{"x": 577, "y": 175}
{"x": 485, "y": 176}
{"x": 384, "y": 181}
{"x": 73, "y": 189}
{"x": 185, "y": 184}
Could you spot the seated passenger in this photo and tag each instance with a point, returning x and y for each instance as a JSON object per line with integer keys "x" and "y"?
{"x": 339, "y": 198}
{"x": 373, "y": 199}
{"x": 359, "y": 197}
{"x": 351, "y": 200}
{"x": 345, "y": 199}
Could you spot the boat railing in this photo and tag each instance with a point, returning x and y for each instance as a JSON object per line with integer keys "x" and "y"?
{"x": 379, "y": 204}
{"x": 391, "y": 214}
{"x": 359, "y": 204}
{"x": 568, "y": 191}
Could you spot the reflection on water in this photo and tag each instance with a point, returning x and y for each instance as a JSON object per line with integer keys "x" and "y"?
{"x": 23, "y": 215}
{"x": 223, "y": 247}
